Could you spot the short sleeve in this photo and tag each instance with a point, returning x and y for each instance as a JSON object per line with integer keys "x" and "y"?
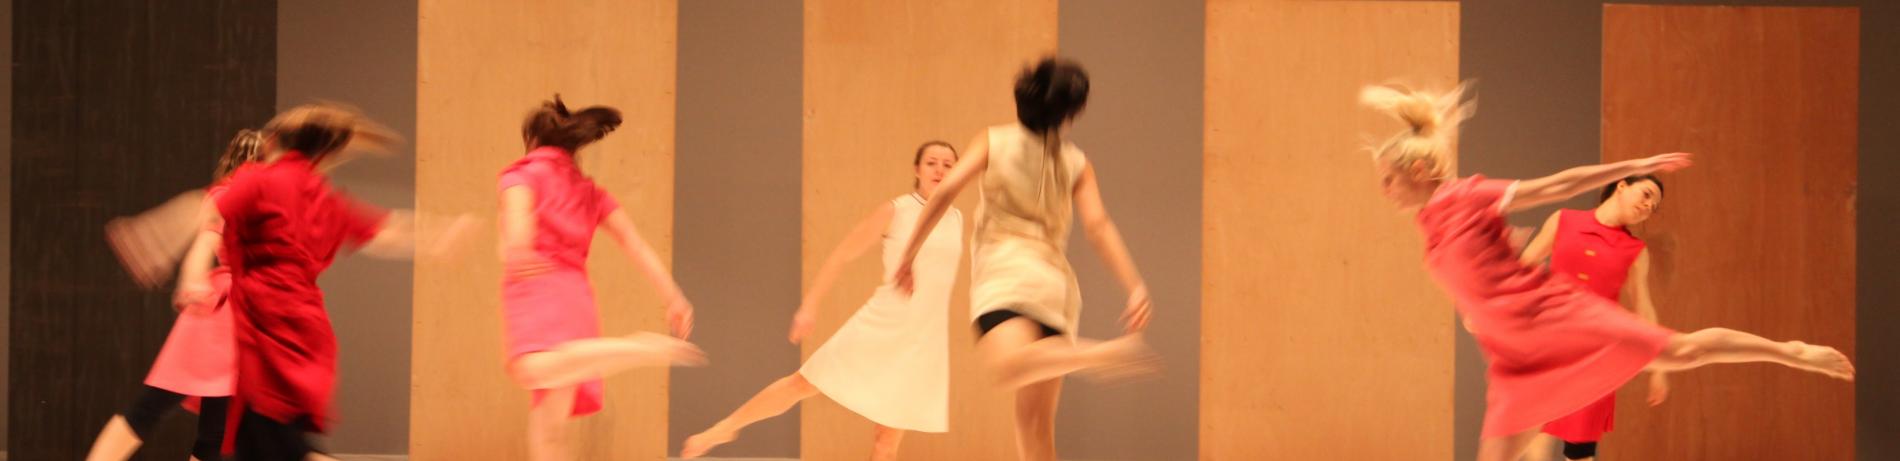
{"x": 604, "y": 204}
{"x": 516, "y": 176}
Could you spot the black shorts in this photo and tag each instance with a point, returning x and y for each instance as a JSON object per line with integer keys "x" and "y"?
{"x": 989, "y": 321}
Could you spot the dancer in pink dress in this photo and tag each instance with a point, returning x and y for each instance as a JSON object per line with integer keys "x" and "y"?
{"x": 1553, "y": 347}
{"x": 198, "y": 364}
{"x": 549, "y": 212}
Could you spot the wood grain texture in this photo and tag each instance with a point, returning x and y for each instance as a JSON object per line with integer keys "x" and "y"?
{"x": 1320, "y": 330}
{"x": 1759, "y": 235}
{"x": 482, "y": 66}
{"x": 882, "y": 77}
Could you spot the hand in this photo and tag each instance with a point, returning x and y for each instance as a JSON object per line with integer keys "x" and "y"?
{"x": 1140, "y": 308}
{"x": 1668, "y": 162}
{"x": 904, "y": 280}
{"x": 1658, "y": 389}
{"x": 802, "y": 323}
{"x": 679, "y": 317}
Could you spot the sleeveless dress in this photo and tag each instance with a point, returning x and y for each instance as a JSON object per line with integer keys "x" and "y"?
{"x": 542, "y": 311}
{"x": 1553, "y": 346}
{"x": 1019, "y": 261}
{"x": 199, "y": 357}
{"x": 1599, "y": 258}
{"x": 891, "y": 361}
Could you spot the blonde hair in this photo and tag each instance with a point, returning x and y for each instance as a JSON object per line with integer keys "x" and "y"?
{"x": 1432, "y": 121}
{"x": 246, "y": 147}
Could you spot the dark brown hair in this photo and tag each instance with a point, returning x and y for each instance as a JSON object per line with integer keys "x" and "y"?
{"x": 553, "y": 125}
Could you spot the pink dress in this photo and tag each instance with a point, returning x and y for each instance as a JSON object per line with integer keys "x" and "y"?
{"x": 199, "y": 358}
{"x": 1598, "y": 257}
{"x": 542, "y": 311}
{"x": 1553, "y": 347}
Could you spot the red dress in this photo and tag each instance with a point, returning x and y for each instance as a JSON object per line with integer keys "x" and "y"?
{"x": 1599, "y": 258}
{"x": 1553, "y": 346}
{"x": 555, "y": 307}
{"x": 198, "y": 358}
{"x": 282, "y": 227}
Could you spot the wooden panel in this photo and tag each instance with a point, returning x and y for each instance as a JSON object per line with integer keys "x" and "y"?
{"x": 1759, "y": 236}
{"x": 482, "y": 66}
{"x": 110, "y": 124}
{"x": 1319, "y": 325}
{"x": 881, "y": 77}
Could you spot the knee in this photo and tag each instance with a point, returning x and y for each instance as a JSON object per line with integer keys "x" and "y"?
{"x": 796, "y": 382}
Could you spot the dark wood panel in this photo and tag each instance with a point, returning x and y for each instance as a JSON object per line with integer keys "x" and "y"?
{"x": 118, "y": 105}
{"x": 1760, "y": 236}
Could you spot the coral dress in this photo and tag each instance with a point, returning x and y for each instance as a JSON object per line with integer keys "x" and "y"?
{"x": 1554, "y": 347}
{"x": 1599, "y": 258}
{"x": 542, "y": 311}
{"x": 283, "y": 226}
{"x": 199, "y": 358}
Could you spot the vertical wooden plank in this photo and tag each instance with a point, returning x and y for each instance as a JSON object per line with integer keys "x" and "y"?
{"x": 882, "y": 77}
{"x": 1759, "y": 236}
{"x": 482, "y": 66}
{"x": 1320, "y": 327}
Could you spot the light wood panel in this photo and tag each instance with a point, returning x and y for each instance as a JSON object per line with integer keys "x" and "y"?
{"x": 1759, "y": 235}
{"x": 882, "y": 77}
{"x": 1322, "y": 336}
{"x": 482, "y": 66}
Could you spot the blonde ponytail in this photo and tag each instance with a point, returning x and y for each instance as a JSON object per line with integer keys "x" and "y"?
{"x": 1432, "y": 122}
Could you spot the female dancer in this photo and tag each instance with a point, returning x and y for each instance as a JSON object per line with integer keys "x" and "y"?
{"x": 1596, "y": 248}
{"x": 283, "y": 225}
{"x": 198, "y": 360}
{"x": 890, "y": 361}
{"x": 1024, "y": 297}
{"x": 1553, "y": 346}
{"x": 549, "y": 212}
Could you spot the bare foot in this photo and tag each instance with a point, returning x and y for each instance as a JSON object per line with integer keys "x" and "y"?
{"x": 670, "y": 349}
{"x": 697, "y": 445}
{"x": 1824, "y": 360}
{"x": 1123, "y": 359}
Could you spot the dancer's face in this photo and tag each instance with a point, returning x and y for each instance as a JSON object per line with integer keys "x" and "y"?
{"x": 1636, "y": 201}
{"x": 936, "y": 163}
{"x": 1404, "y": 186}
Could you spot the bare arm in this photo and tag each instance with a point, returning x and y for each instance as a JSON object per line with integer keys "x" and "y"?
{"x": 194, "y": 273}
{"x": 396, "y": 239}
{"x": 1532, "y": 193}
{"x": 678, "y": 310}
{"x": 1646, "y": 308}
{"x": 976, "y": 158}
{"x": 517, "y": 233}
{"x": 1539, "y": 248}
{"x": 1107, "y": 240}
{"x": 862, "y": 237}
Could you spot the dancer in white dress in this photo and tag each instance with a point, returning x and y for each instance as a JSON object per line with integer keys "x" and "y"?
{"x": 1024, "y": 296}
{"x": 890, "y": 361}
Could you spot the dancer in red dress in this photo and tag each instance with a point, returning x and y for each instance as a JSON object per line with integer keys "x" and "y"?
{"x": 198, "y": 363}
{"x": 1553, "y": 346}
{"x": 549, "y": 212}
{"x": 283, "y": 225}
{"x": 1596, "y": 249}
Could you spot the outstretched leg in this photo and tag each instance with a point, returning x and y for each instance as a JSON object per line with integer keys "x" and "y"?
{"x": 586, "y": 359}
{"x": 774, "y": 400}
{"x": 1722, "y": 345}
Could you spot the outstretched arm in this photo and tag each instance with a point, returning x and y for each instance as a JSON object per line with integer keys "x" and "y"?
{"x": 1532, "y": 193}
{"x": 862, "y": 237}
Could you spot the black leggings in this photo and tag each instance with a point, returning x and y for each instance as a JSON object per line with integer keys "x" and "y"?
{"x": 260, "y": 438}
{"x": 153, "y": 404}
{"x": 1580, "y": 450}
{"x": 993, "y": 319}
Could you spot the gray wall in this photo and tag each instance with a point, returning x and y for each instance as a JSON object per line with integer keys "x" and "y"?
{"x": 362, "y": 52}
{"x": 1142, "y": 133}
{"x": 6, "y": 200}
{"x": 1540, "y": 66}
{"x": 737, "y": 211}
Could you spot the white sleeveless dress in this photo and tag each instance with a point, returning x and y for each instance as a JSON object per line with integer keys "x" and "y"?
{"x": 1020, "y": 261}
{"x": 890, "y": 362}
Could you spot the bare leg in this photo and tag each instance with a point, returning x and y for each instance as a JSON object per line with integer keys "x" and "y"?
{"x": 1539, "y": 449}
{"x": 1036, "y": 420}
{"x": 1722, "y": 345}
{"x": 774, "y": 400}
{"x": 586, "y": 359}
{"x": 884, "y": 443}
{"x": 1016, "y": 358}
{"x": 116, "y": 442}
{"x": 547, "y": 425}
{"x": 1506, "y": 448}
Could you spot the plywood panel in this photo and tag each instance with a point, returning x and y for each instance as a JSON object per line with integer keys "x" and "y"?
{"x": 1759, "y": 236}
{"x": 880, "y": 78}
{"x": 1322, "y": 336}
{"x": 482, "y": 66}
